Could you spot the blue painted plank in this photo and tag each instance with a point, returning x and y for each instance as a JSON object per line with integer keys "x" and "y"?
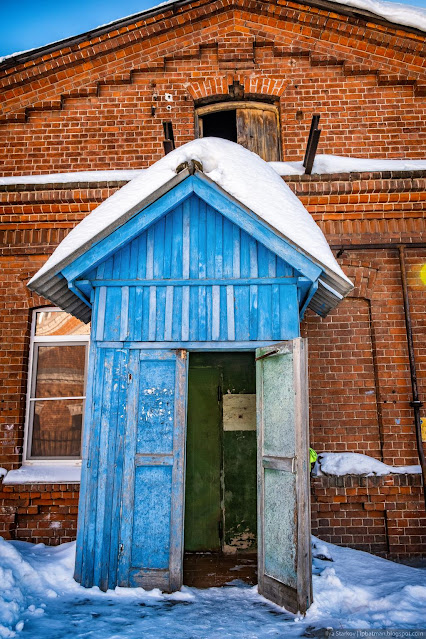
{"x": 134, "y": 259}
{"x": 228, "y": 243}
{"x": 168, "y": 242}
{"x": 161, "y": 312}
{"x": 152, "y": 324}
{"x": 211, "y": 230}
{"x": 202, "y": 239}
{"x": 168, "y": 321}
{"x": 141, "y": 270}
{"x": 150, "y": 253}
{"x": 112, "y": 314}
{"x": 218, "y": 239}
{"x": 185, "y": 239}
{"x": 202, "y": 313}
{"x": 275, "y": 314}
{"x": 230, "y": 312}
{"x": 242, "y": 312}
{"x": 145, "y": 311}
{"x": 100, "y": 299}
{"x": 125, "y": 311}
{"x": 253, "y": 311}
{"x": 263, "y": 260}
{"x": 245, "y": 255}
{"x": 185, "y": 313}
{"x": 236, "y": 257}
{"x": 215, "y": 312}
{"x": 193, "y": 238}
{"x": 177, "y": 244}
{"x": 177, "y": 314}
{"x": 193, "y": 313}
{"x": 264, "y": 312}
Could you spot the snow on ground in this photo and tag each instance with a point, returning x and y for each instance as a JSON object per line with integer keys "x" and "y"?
{"x": 357, "y": 464}
{"x": 44, "y": 473}
{"x": 352, "y": 589}
{"x": 239, "y": 172}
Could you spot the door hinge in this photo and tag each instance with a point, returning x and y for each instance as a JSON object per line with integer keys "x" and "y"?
{"x": 219, "y": 393}
{"x": 220, "y": 530}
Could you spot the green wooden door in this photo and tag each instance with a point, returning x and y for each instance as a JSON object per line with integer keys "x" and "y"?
{"x": 284, "y": 552}
{"x": 220, "y": 499}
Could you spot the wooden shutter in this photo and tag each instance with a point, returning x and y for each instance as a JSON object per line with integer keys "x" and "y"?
{"x": 258, "y": 131}
{"x": 284, "y": 544}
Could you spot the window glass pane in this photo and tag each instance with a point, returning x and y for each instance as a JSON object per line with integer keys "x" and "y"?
{"x": 60, "y": 371}
{"x": 59, "y": 323}
{"x": 57, "y": 428}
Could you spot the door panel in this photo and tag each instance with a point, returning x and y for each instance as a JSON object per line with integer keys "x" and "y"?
{"x": 257, "y": 130}
{"x": 284, "y": 550}
{"x": 151, "y": 546}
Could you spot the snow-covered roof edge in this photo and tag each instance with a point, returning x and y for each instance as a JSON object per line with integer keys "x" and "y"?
{"x": 236, "y": 171}
{"x": 397, "y": 14}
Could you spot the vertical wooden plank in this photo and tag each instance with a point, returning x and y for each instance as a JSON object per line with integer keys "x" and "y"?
{"x": 230, "y": 312}
{"x": 100, "y": 319}
{"x": 150, "y": 253}
{"x": 211, "y": 229}
{"x": 263, "y": 260}
{"x": 264, "y": 312}
{"x": 134, "y": 259}
{"x": 193, "y": 312}
{"x": 103, "y": 469}
{"x": 177, "y": 314}
{"x": 124, "y": 272}
{"x": 254, "y": 270}
{"x": 108, "y": 268}
{"x": 202, "y": 313}
{"x": 152, "y": 328}
{"x": 117, "y": 475}
{"x": 303, "y": 493}
{"x": 283, "y": 269}
{"x": 209, "y": 313}
{"x": 168, "y": 314}
{"x": 158, "y": 256}
{"x": 236, "y": 240}
{"x": 275, "y": 314}
{"x": 142, "y": 251}
{"x": 126, "y": 523}
{"x": 124, "y": 319}
{"x": 202, "y": 240}
{"x": 85, "y": 507}
{"x": 193, "y": 238}
{"x": 227, "y": 248}
{"x": 177, "y": 244}
{"x": 160, "y": 318}
{"x": 245, "y": 255}
{"x": 218, "y": 257}
{"x": 242, "y": 312}
{"x": 145, "y": 313}
{"x": 185, "y": 239}
{"x": 178, "y": 476}
{"x": 223, "y": 329}
{"x": 112, "y": 314}
{"x": 215, "y": 312}
{"x": 168, "y": 242}
{"x": 136, "y": 304}
{"x": 253, "y": 310}
{"x": 185, "y": 313}
{"x": 272, "y": 264}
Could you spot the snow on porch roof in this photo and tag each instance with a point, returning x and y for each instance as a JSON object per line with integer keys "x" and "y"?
{"x": 239, "y": 172}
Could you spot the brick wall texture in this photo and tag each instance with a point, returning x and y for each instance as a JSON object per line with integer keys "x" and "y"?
{"x": 88, "y": 106}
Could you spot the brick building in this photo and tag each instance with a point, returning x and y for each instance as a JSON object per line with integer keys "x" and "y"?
{"x": 107, "y": 101}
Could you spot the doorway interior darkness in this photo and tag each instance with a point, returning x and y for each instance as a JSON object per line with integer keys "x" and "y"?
{"x": 220, "y": 495}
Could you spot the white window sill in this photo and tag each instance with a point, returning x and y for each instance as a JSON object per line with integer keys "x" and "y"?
{"x": 44, "y": 474}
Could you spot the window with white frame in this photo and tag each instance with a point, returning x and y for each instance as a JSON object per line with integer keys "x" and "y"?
{"x": 56, "y": 386}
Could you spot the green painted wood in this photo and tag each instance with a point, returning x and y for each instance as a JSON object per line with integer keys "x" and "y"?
{"x": 203, "y": 459}
{"x": 221, "y": 466}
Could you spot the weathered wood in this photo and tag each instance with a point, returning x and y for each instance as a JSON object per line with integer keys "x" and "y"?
{"x": 283, "y": 479}
{"x": 258, "y": 131}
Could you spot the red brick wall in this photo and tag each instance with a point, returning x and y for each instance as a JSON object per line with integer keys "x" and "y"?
{"x": 39, "y": 513}
{"x": 90, "y": 106}
{"x": 382, "y": 515}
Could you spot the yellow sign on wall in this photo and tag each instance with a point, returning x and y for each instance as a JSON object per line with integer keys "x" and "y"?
{"x": 423, "y": 423}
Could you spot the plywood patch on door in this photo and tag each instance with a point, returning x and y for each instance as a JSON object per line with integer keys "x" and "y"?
{"x": 239, "y": 412}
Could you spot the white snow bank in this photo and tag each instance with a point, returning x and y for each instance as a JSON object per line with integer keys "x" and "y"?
{"x": 324, "y": 164}
{"x": 361, "y": 591}
{"x": 44, "y": 474}
{"x": 352, "y": 589}
{"x": 77, "y": 176}
{"x": 240, "y": 172}
{"x": 357, "y": 464}
{"x": 403, "y": 14}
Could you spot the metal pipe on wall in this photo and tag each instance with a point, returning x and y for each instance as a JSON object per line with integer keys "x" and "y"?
{"x": 415, "y": 403}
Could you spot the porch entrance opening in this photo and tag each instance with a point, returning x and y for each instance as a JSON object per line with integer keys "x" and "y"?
{"x": 220, "y": 496}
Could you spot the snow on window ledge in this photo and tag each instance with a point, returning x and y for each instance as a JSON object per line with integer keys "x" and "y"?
{"x": 45, "y": 474}
{"x": 339, "y": 464}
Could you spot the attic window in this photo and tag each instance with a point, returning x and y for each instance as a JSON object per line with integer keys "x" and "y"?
{"x": 254, "y": 125}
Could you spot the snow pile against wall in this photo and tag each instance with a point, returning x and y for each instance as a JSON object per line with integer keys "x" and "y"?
{"x": 325, "y": 164}
{"x": 241, "y": 173}
{"x": 357, "y": 464}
